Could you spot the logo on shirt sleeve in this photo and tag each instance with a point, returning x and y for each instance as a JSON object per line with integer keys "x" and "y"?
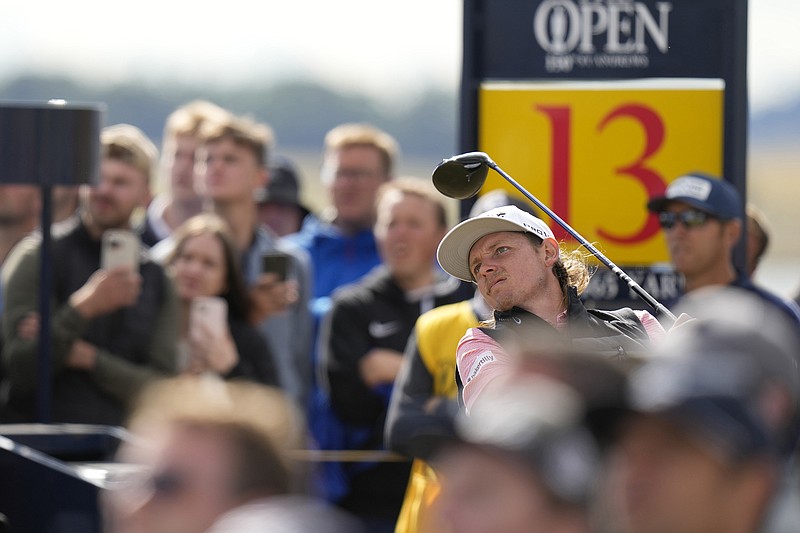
{"x": 483, "y": 359}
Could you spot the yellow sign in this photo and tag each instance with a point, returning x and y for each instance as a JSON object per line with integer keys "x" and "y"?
{"x": 594, "y": 152}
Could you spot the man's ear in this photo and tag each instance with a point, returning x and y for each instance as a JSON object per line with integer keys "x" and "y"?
{"x": 551, "y": 251}
{"x": 732, "y": 232}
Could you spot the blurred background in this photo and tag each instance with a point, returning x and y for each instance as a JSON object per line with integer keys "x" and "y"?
{"x": 304, "y": 66}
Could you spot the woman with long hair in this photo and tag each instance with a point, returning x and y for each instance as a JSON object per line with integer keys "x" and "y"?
{"x": 204, "y": 264}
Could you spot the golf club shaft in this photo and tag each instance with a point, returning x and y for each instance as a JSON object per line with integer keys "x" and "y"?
{"x": 635, "y": 287}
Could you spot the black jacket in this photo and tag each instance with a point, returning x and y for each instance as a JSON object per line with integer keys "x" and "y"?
{"x": 617, "y": 333}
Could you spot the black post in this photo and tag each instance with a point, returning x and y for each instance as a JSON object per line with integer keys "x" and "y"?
{"x": 45, "y": 145}
{"x": 44, "y": 355}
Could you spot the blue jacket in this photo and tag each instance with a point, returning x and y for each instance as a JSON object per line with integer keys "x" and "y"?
{"x": 338, "y": 259}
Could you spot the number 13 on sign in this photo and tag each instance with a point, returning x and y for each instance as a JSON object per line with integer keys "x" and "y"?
{"x": 594, "y": 152}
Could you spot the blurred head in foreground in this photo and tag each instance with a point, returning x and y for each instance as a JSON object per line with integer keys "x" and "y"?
{"x": 712, "y": 418}
{"x": 520, "y": 462}
{"x": 210, "y": 447}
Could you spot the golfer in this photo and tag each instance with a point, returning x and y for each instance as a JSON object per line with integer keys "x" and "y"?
{"x": 533, "y": 287}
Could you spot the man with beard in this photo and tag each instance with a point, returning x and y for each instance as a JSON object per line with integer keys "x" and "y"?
{"x": 113, "y": 329}
{"x": 533, "y": 287}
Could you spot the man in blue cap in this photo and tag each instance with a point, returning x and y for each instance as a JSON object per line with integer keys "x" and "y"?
{"x": 702, "y": 218}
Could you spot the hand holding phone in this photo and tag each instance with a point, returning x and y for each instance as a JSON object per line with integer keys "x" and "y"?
{"x": 210, "y": 312}
{"x": 277, "y": 263}
{"x": 211, "y": 346}
{"x": 111, "y": 288}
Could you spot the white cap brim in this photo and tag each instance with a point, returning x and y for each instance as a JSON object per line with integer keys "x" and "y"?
{"x": 453, "y": 251}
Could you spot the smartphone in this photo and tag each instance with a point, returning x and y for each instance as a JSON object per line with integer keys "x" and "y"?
{"x": 276, "y": 262}
{"x": 210, "y": 310}
{"x": 120, "y": 247}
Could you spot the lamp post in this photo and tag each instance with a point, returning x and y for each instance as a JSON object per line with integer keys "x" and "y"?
{"x": 46, "y": 144}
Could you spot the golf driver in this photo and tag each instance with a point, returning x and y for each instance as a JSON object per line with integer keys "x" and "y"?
{"x": 462, "y": 176}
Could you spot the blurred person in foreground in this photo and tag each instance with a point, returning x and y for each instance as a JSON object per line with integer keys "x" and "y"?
{"x": 368, "y": 327}
{"x": 712, "y": 424}
{"x": 521, "y": 462}
{"x": 113, "y": 330}
{"x": 279, "y": 206}
{"x": 204, "y": 264}
{"x": 702, "y": 218}
{"x": 216, "y": 457}
{"x": 533, "y": 287}
{"x": 181, "y": 198}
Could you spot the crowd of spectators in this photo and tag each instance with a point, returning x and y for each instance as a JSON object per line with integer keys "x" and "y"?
{"x": 374, "y": 367}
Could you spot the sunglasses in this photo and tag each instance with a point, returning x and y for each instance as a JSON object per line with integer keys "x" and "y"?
{"x": 690, "y": 218}
{"x": 167, "y": 484}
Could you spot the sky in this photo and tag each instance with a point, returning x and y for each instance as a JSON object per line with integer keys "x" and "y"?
{"x": 389, "y": 50}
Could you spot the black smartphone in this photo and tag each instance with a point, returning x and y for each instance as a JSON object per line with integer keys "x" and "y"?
{"x": 275, "y": 262}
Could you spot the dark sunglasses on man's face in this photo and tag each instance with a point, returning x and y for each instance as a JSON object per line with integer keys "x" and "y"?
{"x": 167, "y": 484}
{"x": 690, "y": 218}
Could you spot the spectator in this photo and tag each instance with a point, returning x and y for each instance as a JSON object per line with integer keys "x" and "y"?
{"x": 233, "y": 158}
{"x": 181, "y": 199}
{"x": 205, "y": 263}
{"x": 713, "y": 419}
{"x": 757, "y": 238}
{"x": 357, "y": 160}
{"x": 367, "y": 330}
{"x": 702, "y": 220}
{"x": 532, "y": 286}
{"x": 113, "y": 330}
{"x": 20, "y": 208}
{"x": 66, "y": 202}
{"x": 279, "y": 205}
{"x": 20, "y": 211}
{"x": 217, "y": 458}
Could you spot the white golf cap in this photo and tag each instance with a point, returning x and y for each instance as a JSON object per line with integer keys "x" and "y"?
{"x": 453, "y": 252}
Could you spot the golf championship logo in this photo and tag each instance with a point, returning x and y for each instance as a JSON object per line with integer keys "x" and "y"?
{"x": 601, "y": 34}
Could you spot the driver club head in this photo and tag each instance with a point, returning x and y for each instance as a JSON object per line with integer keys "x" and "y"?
{"x": 461, "y": 176}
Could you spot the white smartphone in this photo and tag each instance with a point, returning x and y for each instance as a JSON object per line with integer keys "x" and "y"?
{"x": 120, "y": 247}
{"x": 210, "y": 310}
